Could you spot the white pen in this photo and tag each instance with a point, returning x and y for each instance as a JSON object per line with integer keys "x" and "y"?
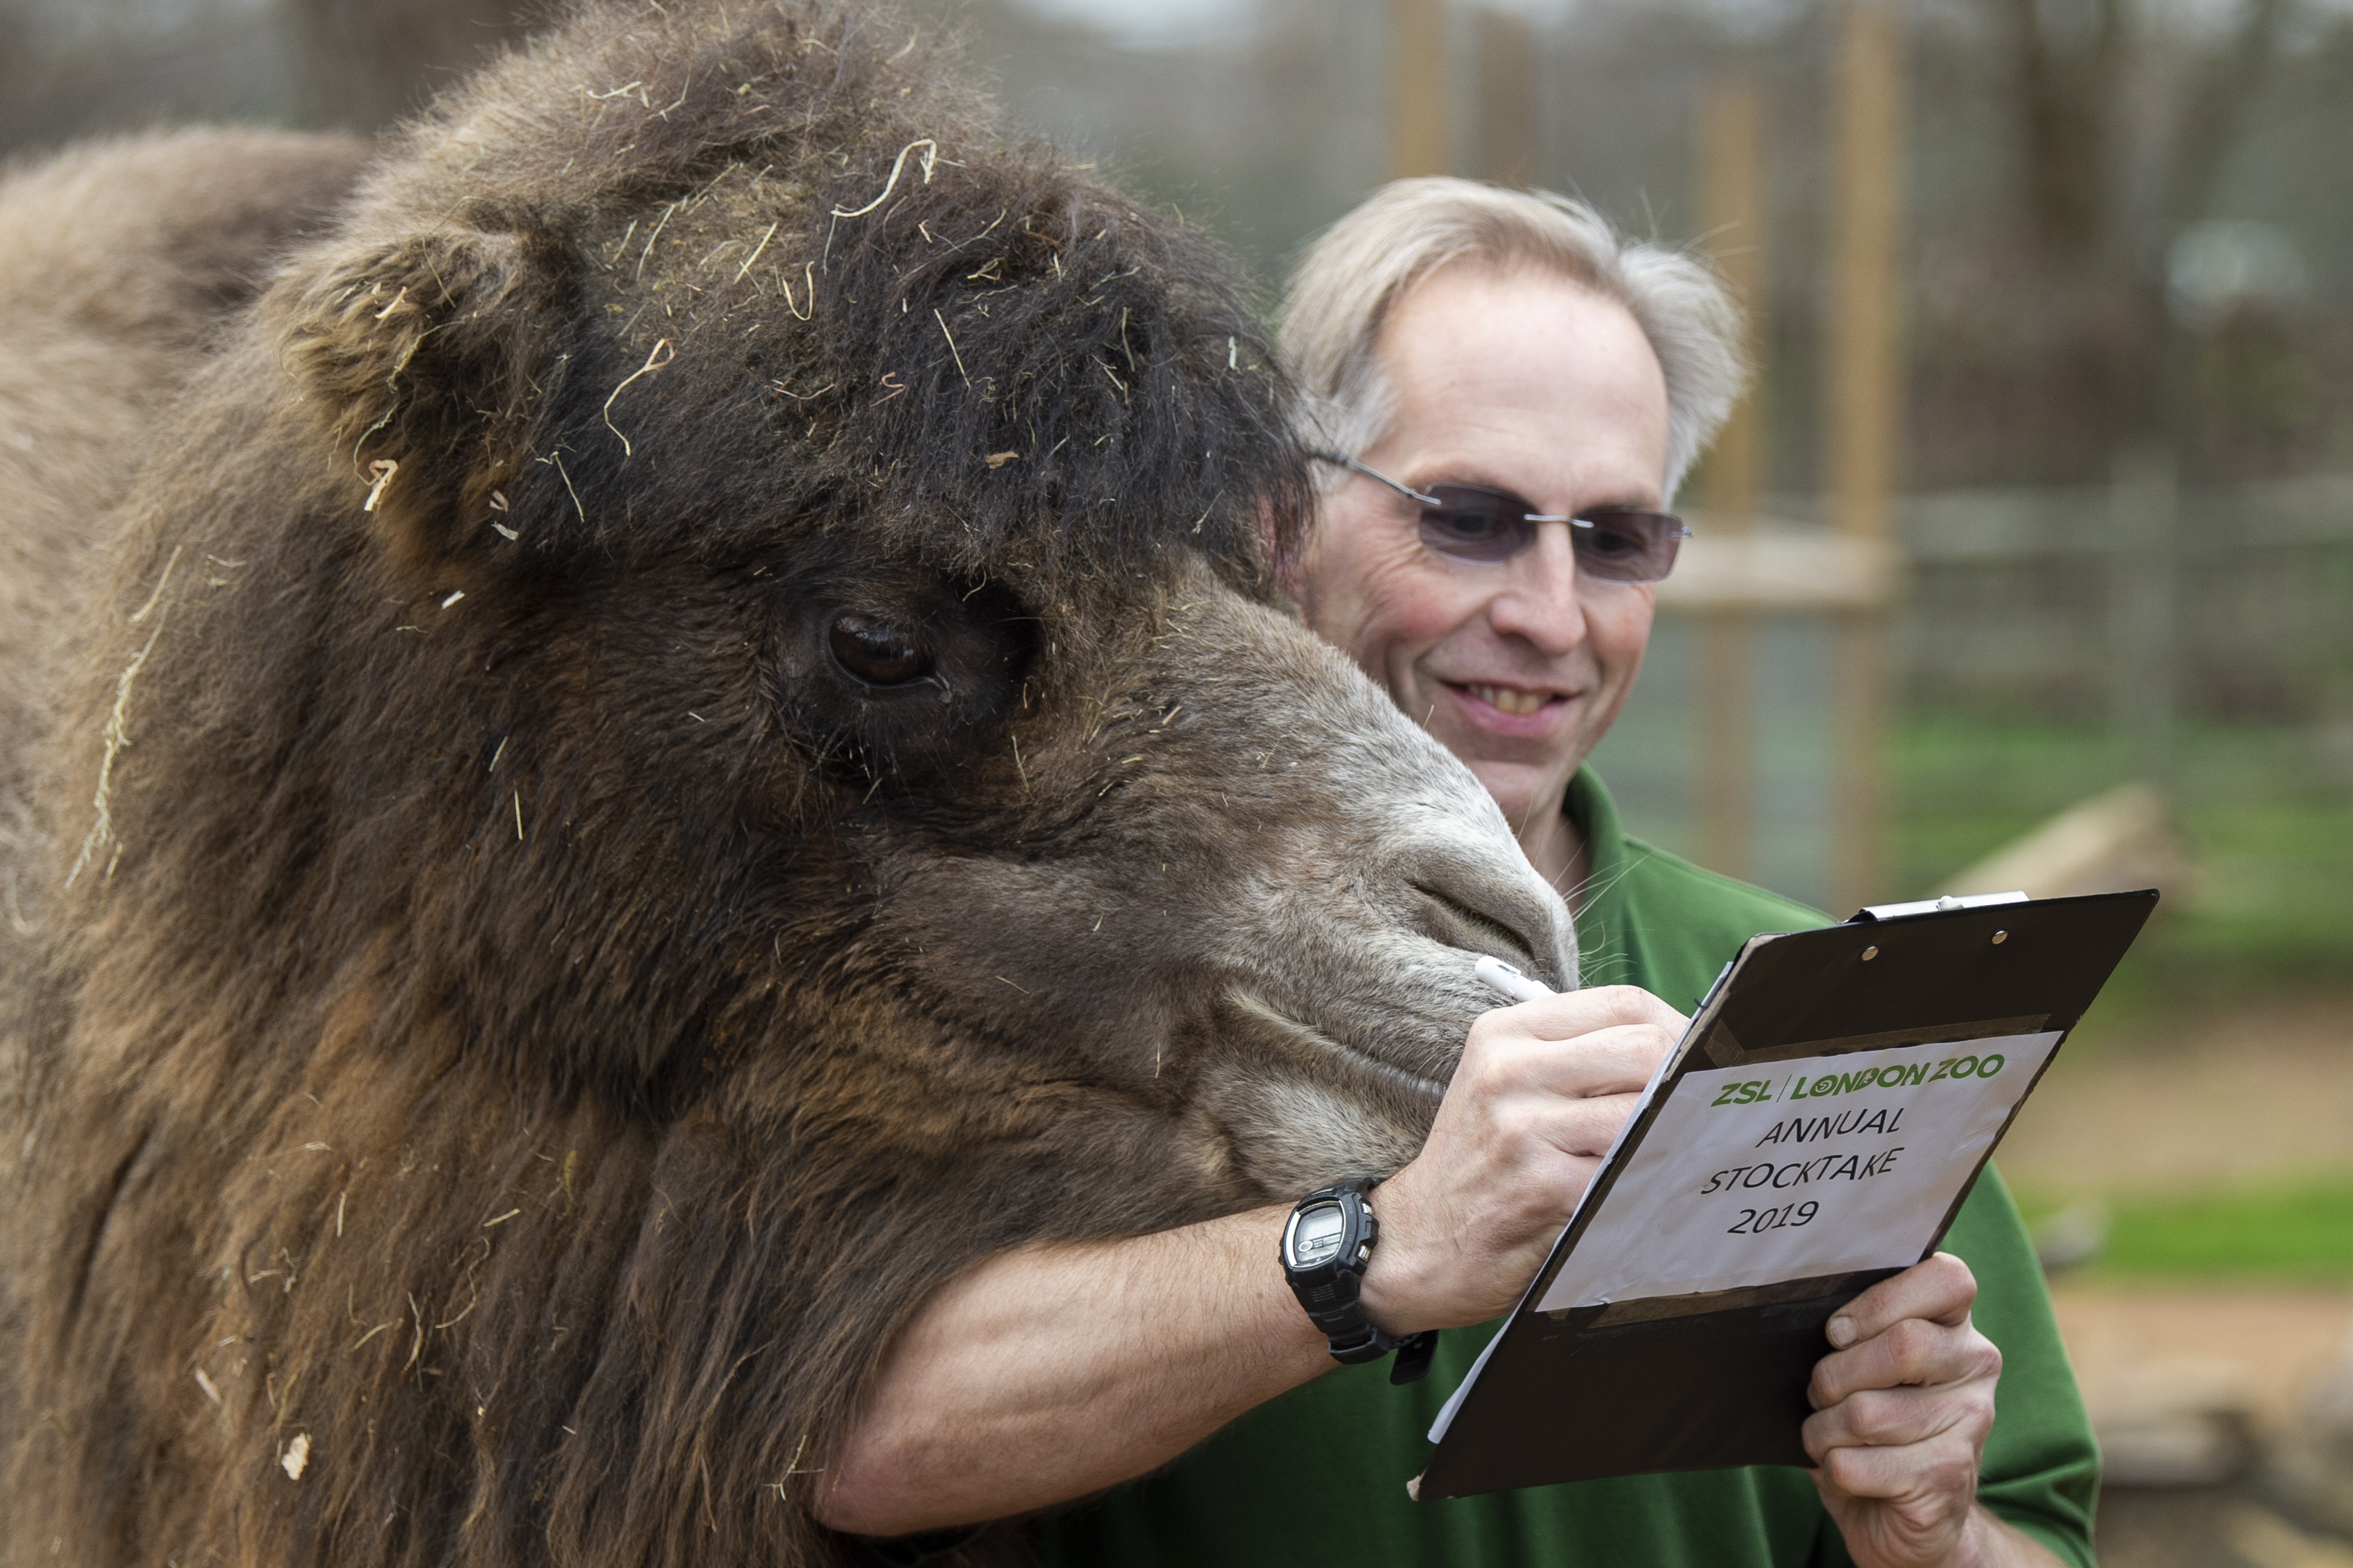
{"x": 1503, "y": 977}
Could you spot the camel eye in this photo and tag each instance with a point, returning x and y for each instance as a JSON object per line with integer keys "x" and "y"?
{"x": 877, "y": 652}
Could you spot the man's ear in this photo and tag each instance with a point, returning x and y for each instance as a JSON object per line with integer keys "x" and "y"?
{"x": 427, "y": 357}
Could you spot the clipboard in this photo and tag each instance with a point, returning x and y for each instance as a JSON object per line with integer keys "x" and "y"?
{"x": 1594, "y": 1376}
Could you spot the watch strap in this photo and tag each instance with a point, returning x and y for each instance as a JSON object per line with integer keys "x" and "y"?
{"x": 1413, "y": 1355}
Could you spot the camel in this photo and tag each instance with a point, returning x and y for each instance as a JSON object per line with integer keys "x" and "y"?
{"x": 647, "y": 721}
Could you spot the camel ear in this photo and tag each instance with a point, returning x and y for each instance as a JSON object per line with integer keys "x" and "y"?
{"x": 420, "y": 354}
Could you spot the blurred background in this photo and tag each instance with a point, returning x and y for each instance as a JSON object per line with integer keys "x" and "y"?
{"x": 2030, "y": 563}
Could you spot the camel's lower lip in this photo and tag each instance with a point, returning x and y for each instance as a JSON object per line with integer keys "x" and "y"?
{"x": 1307, "y": 1034}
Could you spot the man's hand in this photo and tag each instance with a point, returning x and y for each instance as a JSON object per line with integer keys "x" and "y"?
{"x": 1902, "y": 1409}
{"x": 1540, "y": 1093}
{"x": 1044, "y": 1374}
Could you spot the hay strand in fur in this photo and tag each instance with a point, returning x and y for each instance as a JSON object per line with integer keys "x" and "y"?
{"x": 660, "y": 355}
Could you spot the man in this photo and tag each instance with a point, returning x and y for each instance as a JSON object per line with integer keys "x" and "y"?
{"x": 1505, "y": 397}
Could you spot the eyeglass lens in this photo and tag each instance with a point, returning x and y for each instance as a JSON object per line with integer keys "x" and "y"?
{"x": 1616, "y": 544}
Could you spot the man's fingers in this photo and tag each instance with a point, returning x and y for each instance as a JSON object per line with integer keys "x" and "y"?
{"x": 1588, "y": 1127}
{"x": 1616, "y": 1060}
{"x": 1903, "y": 1408}
{"x": 1887, "y": 1418}
{"x": 1541, "y": 1091}
{"x": 1941, "y": 1290}
{"x": 1568, "y": 1014}
{"x": 1940, "y": 1469}
{"x": 1607, "y": 1040}
{"x": 1914, "y": 1353}
{"x": 1532, "y": 1129}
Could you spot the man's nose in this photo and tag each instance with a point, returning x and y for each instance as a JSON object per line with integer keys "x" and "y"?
{"x": 1538, "y": 603}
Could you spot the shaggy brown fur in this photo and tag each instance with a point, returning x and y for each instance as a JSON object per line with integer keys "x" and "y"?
{"x": 122, "y": 258}
{"x": 680, "y": 735}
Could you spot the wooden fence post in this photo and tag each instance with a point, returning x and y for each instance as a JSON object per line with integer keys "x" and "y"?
{"x": 2144, "y": 512}
{"x": 1418, "y": 84}
{"x": 1732, "y": 215}
{"x": 1864, "y": 418}
{"x": 1511, "y": 111}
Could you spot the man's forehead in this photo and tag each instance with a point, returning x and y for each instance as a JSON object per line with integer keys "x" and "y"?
{"x": 1497, "y": 374}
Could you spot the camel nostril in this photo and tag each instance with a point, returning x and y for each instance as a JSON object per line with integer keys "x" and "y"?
{"x": 1445, "y": 917}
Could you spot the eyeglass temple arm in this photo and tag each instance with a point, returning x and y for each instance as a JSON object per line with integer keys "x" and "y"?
{"x": 1376, "y": 476}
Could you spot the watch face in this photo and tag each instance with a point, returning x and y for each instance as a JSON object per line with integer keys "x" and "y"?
{"x": 1316, "y": 1235}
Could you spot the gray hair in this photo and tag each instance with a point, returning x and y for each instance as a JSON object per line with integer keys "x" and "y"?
{"x": 1358, "y": 269}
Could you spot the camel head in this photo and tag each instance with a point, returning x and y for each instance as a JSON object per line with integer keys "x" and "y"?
{"x": 704, "y": 739}
{"x": 862, "y": 522}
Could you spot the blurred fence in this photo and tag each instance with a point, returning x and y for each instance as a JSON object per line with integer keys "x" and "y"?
{"x": 2088, "y": 214}
{"x": 2037, "y": 600}
{"x": 2164, "y": 632}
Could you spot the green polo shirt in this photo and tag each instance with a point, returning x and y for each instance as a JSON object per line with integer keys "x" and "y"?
{"x": 1318, "y": 1476}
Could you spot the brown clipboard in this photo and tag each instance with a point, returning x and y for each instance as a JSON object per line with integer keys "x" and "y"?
{"x": 1693, "y": 1382}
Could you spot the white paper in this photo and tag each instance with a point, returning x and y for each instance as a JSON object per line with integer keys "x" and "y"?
{"x": 1455, "y": 1400}
{"x": 1755, "y": 1175}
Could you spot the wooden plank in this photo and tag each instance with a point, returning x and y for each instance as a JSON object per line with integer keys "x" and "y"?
{"x": 2113, "y": 843}
{"x": 1780, "y": 568}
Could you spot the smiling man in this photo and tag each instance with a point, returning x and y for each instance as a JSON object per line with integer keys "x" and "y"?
{"x": 1503, "y": 396}
{"x": 1519, "y": 395}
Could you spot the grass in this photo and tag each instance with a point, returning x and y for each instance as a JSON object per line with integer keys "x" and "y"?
{"x": 2298, "y": 1230}
{"x": 2272, "y": 835}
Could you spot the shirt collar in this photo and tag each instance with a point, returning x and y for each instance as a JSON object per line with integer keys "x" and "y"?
{"x": 1595, "y": 815}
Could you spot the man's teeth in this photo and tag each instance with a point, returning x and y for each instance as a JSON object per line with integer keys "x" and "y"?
{"x": 1509, "y": 700}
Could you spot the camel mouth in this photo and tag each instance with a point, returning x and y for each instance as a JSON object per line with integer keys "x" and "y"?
{"x": 1263, "y": 1012}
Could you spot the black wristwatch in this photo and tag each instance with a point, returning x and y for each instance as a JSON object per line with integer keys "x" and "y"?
{"x": 1326, "y": 1246}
